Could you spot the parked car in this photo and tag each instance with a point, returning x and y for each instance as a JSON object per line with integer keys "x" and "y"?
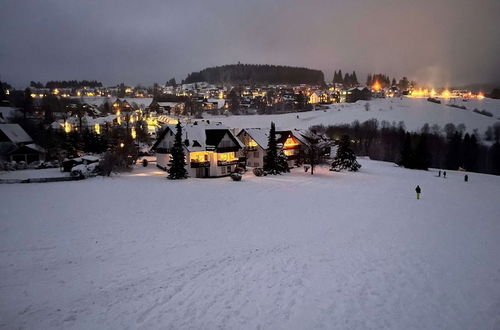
{"x": 83, "y": 171}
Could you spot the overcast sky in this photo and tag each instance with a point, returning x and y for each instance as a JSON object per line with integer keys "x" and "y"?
{"x": 432, "y": 41}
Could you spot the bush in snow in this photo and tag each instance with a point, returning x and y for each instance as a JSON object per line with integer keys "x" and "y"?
{"x": 345, "y": 158}
{"x": 258, "y": 171}
{"x": 84, "y": 171}
{"x": 236, "y": 176}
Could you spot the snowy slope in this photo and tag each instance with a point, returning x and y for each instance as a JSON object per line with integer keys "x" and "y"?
{"x": 334, "y": 250}
{"x": 415, "y": 112}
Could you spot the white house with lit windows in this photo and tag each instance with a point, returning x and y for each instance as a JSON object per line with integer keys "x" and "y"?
{"x": 211, "y": 149}
{"x": 255, "y": 142}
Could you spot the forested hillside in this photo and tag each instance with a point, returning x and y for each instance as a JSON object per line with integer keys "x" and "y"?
{"x": 257, "y": 74}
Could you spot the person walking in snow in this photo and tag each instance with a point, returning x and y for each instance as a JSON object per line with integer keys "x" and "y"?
{"x": 466, "y": 178}
{"x": 439, "y": 173}
{"x": 444, "y": 174}
{"x": 418, "y": 191}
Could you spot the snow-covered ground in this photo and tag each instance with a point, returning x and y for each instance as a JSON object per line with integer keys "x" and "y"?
{"x": 33, "y": 174}
{"x": 414, "y": 112}
{"x": 333, "y": 250}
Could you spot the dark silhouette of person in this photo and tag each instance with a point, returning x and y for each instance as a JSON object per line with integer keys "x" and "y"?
{"x": 466, "y": 178}
{"x": 439, "y": 173}
{"x": 418, "y": 191}
{"x": 444, "y": 174}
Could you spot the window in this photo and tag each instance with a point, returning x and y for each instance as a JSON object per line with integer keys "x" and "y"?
{"x": 229, "y": 169}
{"x": 256, "y": 164}
{"x": 223, "y": 170}
{"x": 256, "y": 154}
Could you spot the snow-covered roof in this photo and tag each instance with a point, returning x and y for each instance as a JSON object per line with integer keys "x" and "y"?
{"x": 260, "y": 135}
{"x": 36, "y": 147}
{"x": 168, "y": 104}
{"x": 201, "y": 134}
{"x": 6, "y": 113}
{"x": 15, "y": 133}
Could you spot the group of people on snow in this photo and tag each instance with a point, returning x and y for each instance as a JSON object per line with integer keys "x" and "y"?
{"x": 418, "y": 190}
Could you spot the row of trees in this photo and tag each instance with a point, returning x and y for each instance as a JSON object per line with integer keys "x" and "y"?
{"x": 257, "y": 74}
{"x": 448, "y": 148}
{"x": 66, "y": 84}
{"x": 348, "y": 80}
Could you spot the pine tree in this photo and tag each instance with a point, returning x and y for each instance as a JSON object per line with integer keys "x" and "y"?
{"x": 422, "y": 157}
{"x": 471, "y": 147}
{"x": 345, "y": 157}
{"x": 454, "y": 158}
{"x": 407, "y": 158}
{"x": 282, "y": 162}
{"x": 369, "y": 80}
{"x": 347, "y": 80}
{"x": 341, "y": 79}
{"x": 354, "y": 78}
{"x": 272, "y": 163}
{"x": 177, "y": 164}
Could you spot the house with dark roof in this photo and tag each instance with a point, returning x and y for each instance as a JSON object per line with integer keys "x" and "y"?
{"x": 255, "y": 142}
{"x": 17, "y": 145}
{"x": 211, "y": 149}
{"x": 357, "y": 94}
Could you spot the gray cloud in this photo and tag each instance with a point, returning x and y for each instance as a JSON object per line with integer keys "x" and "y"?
{"x": 439, "y": 42}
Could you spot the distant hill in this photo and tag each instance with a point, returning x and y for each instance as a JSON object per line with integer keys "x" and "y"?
{"x": 257, "y": 74}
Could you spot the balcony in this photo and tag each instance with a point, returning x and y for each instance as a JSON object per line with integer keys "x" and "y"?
{"x": 163, "y": 150}
{"x": 227, "y": 162}
{"x": 200, "y": 164}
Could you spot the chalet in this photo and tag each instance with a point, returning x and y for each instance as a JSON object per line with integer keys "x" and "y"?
{"x": 357, "y": 93}
{"x": 171, "y": 108}
{"x": 121, "y": 106}
{"x": 17, "y": 145}
{"x": 210, "y": 148}
{"x": 255, "y": 142}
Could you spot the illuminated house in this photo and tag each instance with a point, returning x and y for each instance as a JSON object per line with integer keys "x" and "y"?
{"x": 171, "y": 108}
{"x": 211, "y": 149}
{"x": 255, "y": 141}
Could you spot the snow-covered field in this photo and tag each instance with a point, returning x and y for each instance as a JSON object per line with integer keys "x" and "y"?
{"x": 414, "y": 112}
{"x": 33, "y": 174}
{"x": 333, "y": 250}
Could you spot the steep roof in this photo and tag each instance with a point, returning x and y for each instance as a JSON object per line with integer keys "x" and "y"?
{"x": 260, "y": 135}
{"x": 199, "y": 135}
{"x": 15, "y": 133}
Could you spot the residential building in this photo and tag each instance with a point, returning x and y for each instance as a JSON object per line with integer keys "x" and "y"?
{"x": 211, "y": 149}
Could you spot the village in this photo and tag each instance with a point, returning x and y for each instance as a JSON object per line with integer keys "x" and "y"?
{"x": 140, "y": 121}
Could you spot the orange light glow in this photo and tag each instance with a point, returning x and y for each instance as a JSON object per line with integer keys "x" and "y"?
{"x": 376, "y": 86}
{"x": 446, "y": 94}
{"x": 480, "y": 96}
{"x": 290, "y": 143}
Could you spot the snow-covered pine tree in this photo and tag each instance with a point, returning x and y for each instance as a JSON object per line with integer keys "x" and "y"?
{"x": 282, "y": 163}
{"x": 345, "y": 158}
{"x": 177, "y": 164}
{"x": 271, "y": 164}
